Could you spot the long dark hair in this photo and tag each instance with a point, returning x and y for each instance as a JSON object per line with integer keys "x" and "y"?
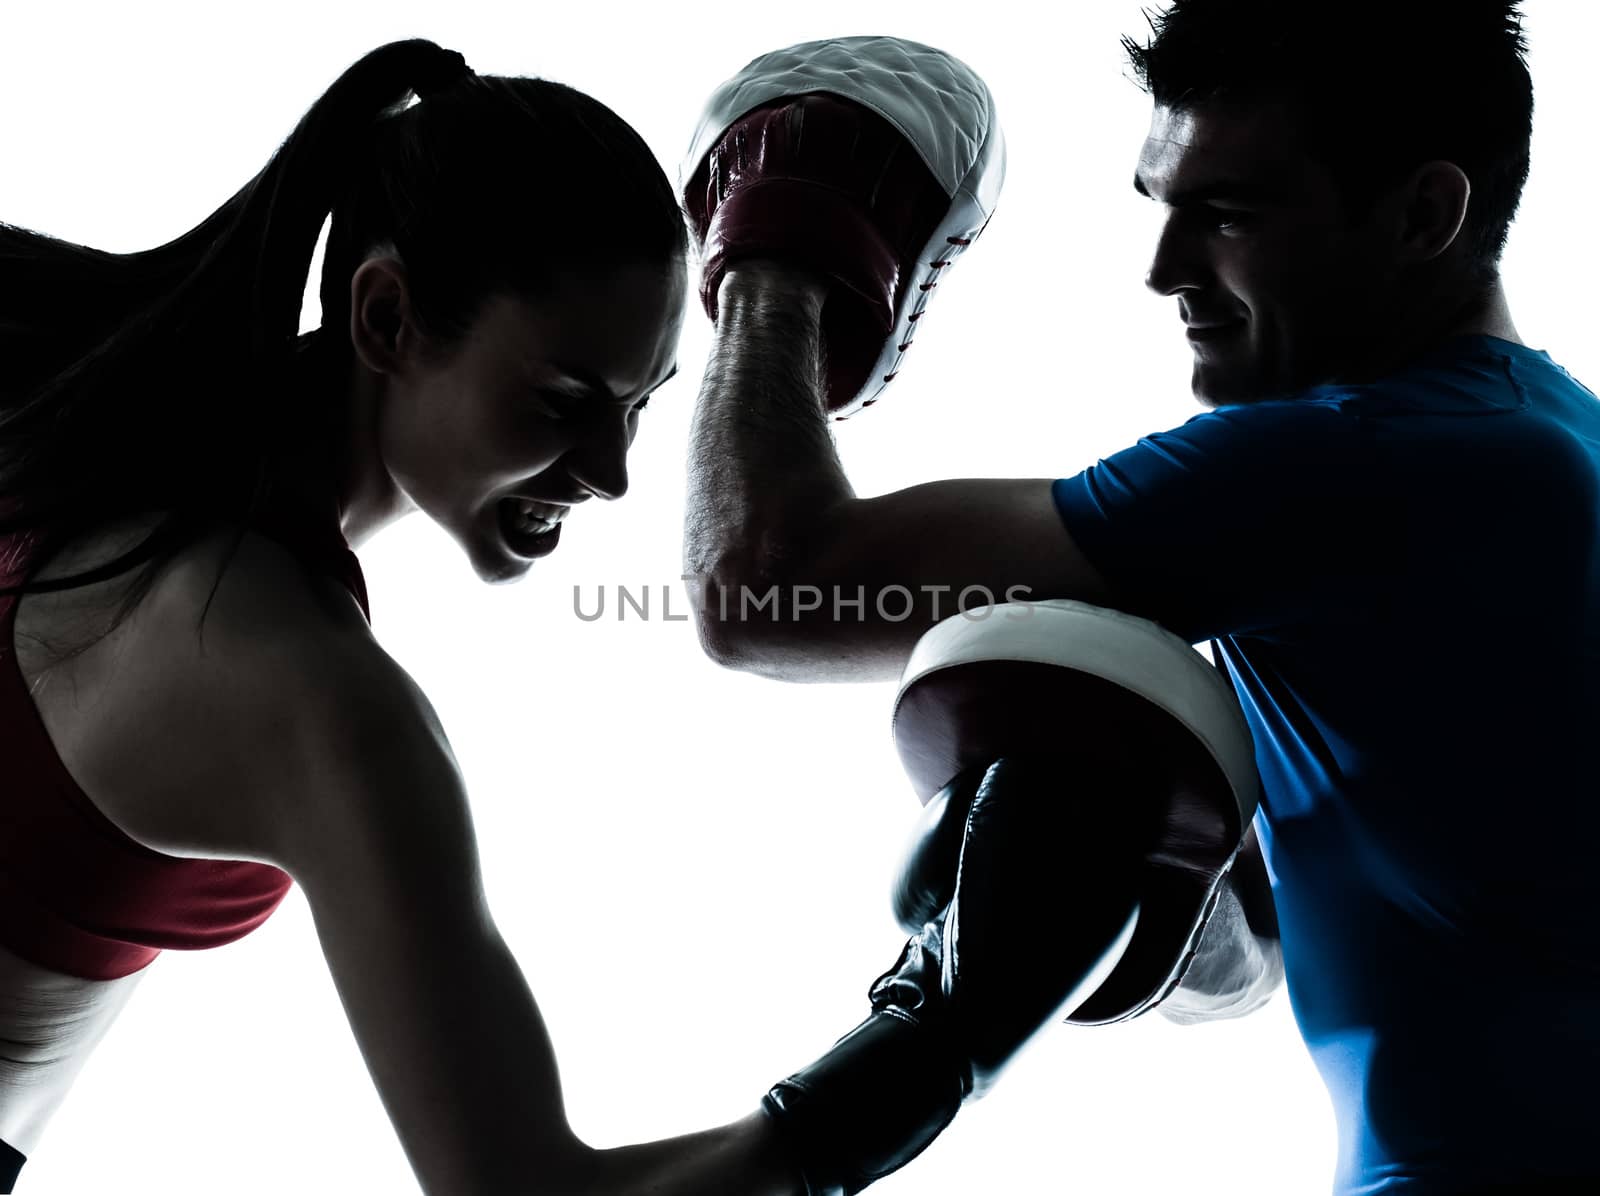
{"x": 157, "y": 382}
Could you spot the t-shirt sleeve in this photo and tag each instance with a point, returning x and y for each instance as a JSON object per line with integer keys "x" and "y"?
{"x": 1243, "y": 520}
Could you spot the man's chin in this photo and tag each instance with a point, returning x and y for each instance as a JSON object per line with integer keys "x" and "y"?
{"x": 1213, "y": 386}
{"x": 1213, "y": 390}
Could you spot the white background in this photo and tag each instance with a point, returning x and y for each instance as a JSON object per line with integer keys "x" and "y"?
{"x": 692, "y": 864}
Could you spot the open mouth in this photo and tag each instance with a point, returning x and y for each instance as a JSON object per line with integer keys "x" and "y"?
{"x": 530, "y": 529}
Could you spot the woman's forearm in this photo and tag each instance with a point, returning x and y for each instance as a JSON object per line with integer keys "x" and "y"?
{"x": 745, "y": 1157}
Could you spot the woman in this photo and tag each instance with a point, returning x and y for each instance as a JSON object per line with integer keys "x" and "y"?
{"x": 183, "y": 620}
{"x": 194, "y": 709}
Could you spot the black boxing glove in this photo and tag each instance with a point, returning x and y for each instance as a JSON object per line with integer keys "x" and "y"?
{"x": 971, "y": 988}
{"x": 1129, "y": 722}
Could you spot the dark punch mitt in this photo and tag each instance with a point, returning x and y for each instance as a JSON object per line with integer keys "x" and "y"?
{"x": 1136, "y": 722}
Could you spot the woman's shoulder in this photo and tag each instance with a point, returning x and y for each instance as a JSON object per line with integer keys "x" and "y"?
{"x": 262, "y": 578}
{"x": 166, "y": 718}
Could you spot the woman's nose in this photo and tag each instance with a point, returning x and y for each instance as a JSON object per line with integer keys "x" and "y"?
{"x": 600, "y": 463}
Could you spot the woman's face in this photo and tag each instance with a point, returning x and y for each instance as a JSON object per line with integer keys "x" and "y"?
{"x": 530, "y": 415}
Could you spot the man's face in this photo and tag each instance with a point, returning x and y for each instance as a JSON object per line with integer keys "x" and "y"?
{"x": 1277, "y": 286}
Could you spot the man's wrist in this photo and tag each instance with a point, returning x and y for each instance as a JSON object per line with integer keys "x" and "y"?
{"x": 769, "y": 279}
{"x": 1233, "y": 972}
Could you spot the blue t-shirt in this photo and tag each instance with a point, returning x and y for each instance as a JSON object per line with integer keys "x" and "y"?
{"x": 1403, "y": 579}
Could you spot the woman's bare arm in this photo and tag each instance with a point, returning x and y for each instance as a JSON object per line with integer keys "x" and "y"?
{"x": 308, "y": 747}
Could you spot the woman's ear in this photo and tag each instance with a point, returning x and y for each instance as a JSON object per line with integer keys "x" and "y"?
{"x": 381, "y": 330}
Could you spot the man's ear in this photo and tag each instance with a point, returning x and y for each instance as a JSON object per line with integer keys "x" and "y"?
{"x": 1432, "y": 206}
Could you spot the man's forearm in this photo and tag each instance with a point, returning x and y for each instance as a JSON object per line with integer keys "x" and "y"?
{"x": 761, "y": 458}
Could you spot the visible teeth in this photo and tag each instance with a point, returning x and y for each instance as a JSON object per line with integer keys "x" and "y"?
{"x": 538, "y": 518}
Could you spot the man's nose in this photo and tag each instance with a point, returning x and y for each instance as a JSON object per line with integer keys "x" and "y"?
{"x": 1178, "y": 264}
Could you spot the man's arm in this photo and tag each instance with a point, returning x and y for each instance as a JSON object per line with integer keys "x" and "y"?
{"x": 799, "y": 579}
{"x": 1239, "y": 964}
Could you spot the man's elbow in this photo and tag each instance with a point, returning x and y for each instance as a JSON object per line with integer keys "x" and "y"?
{"x": 729, "y": 644}
{"x": 736, "y": 619}
{"x": 788, "y": 631}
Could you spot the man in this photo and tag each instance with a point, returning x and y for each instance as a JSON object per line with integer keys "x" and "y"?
{"x": 1385, "y": 475}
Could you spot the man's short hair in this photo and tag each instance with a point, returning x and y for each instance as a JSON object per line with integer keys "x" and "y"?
{"x": 1376, "y": 90}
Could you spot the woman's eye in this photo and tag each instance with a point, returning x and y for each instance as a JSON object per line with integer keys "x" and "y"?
{"x": 641, "y": 404}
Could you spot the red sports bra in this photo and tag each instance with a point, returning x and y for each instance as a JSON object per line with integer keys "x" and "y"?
{"x": 76, "y": 894}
